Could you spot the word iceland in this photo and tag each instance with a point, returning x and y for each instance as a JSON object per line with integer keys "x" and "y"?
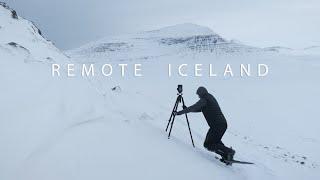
{"x": 136, "y": 70}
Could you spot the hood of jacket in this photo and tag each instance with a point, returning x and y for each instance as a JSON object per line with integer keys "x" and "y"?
{"x": 202, "y": 91}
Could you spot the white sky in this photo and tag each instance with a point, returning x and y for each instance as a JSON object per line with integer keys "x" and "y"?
{"x": 72, "y": 23}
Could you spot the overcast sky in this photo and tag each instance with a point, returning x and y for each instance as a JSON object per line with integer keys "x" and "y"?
{"x": 72, "y": 23}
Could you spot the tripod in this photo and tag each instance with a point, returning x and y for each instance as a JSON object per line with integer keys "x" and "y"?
{"x": 173, "y": 116}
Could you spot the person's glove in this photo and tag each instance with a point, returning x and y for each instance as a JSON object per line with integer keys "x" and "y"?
{"x": 178, "y": 113}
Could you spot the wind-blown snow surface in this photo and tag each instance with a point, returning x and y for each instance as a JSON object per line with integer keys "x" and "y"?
{"x": 78, "y": 128}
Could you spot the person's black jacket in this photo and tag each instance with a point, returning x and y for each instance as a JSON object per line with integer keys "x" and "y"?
{"x": 209, "y": 106}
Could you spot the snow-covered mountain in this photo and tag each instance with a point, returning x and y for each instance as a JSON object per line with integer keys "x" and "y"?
{"x": 179, "y": 39}
{"x": 182, "y": 39}
{"x": 18, "y": 34}
{"x": 83, "y": 128}
{"x": 313, "y": 50}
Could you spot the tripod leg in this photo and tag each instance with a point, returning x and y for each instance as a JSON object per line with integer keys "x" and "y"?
{"x": 188, "y": 123}
{"x": 173, "y": 110}
{"x": 173, "y": 115}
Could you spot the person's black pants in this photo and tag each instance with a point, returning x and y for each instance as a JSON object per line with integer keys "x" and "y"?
{"x": 213, "y": 139}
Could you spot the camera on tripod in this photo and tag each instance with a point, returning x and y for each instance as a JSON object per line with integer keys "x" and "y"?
{"x": 174, "y": 113}
{"x": 179, "y": 89}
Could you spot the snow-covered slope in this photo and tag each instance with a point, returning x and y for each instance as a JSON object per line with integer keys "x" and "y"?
{"x": 22, "y": 35}
{"x": 35, "y": 108}
{"x": 78, "y": 128}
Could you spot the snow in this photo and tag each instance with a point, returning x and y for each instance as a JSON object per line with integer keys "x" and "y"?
{"x": 79, "y": 128}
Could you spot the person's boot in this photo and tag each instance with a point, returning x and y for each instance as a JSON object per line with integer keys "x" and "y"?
{"x": 230, "y": 154}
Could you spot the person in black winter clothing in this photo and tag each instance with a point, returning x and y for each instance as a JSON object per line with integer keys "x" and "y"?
{"x": 210, "y": 108}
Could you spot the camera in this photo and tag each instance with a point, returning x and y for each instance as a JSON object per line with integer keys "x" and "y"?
{"x": 179, "y": 88}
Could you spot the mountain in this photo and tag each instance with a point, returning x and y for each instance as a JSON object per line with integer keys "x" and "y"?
{"x": 30, "y": 42}
{"x": 313, "y": 50}
{"x": 113, "y": 127}
{"x": 178, "y": 39}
